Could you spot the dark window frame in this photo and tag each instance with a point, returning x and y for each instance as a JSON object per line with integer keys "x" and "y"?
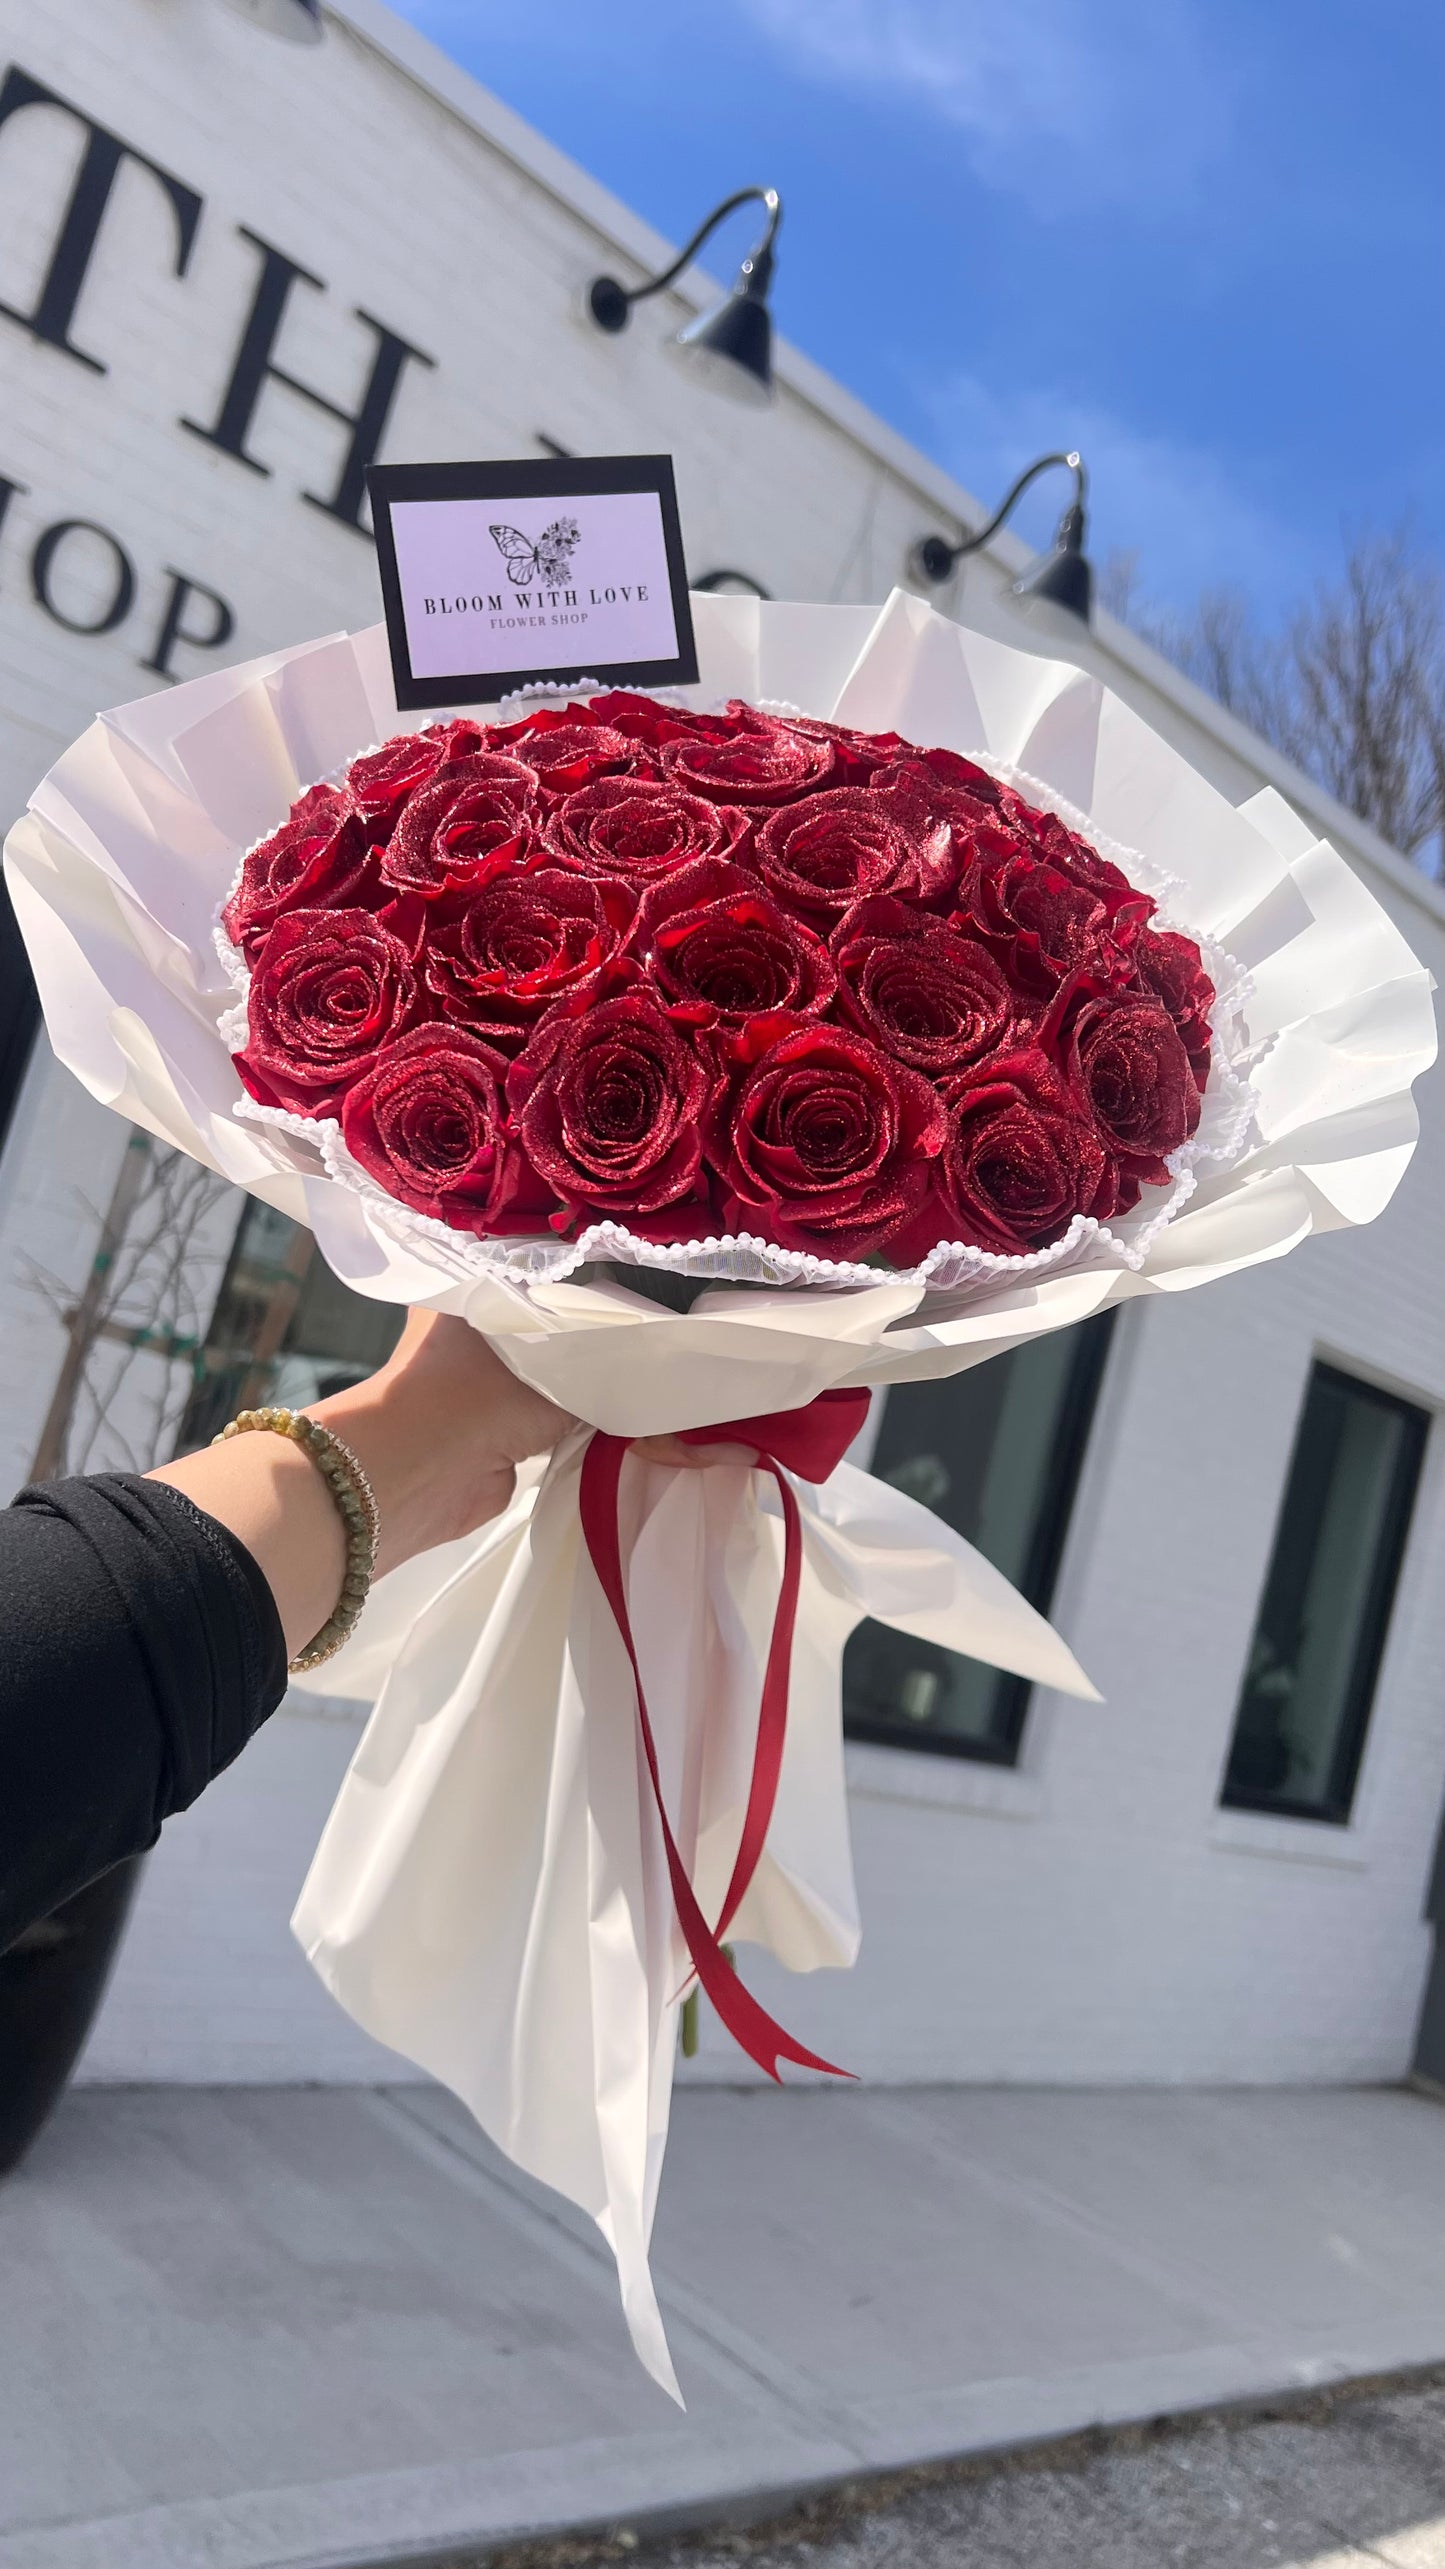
{"x": 19, "y": 1013}
{"x": 1014, "y": 1694}
{"x": 1392, "y": 1540}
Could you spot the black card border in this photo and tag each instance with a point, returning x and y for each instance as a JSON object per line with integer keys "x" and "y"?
{"x": 540, "y": 477}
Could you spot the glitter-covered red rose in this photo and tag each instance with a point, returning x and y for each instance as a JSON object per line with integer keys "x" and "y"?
{"x": 857, "y": 755}
{"x": 384, "y": 779}
{"x": 826, "y": 1144}
{"x": 930, "y": 996}
{"x": 720, "y": 950}
{"x": 1169, "y": 967}
{"x": 820, "y": 856}
{"x": 319, "y": 858}
{"x": 1047, "y": 928}
{"x": 756, "y": 761}
{"x": 569, "y": 748}
{"x": 476, "y": 814}
{"x": 638, "y": 830}
{"x": 499, "y": 958}
{"x": 1127, "y": 1060}
{"x": 429, "y": 1123}
{"x": 330, "y": 989}
{"x": 1020, "y": 1161}
{"x": 643, "y": 720}
{"x": 609, "y": 1104}
{"x": 1058, "y": 845}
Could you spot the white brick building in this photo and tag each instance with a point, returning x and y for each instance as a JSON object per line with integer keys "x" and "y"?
{"x": 1050, "y": 1892}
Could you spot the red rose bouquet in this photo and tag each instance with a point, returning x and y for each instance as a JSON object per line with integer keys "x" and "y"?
{"x": 739, "y": 981}
{"x": 928, "y": 1048}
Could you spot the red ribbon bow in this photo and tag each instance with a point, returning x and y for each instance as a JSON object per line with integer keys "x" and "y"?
{"x": 810, "y": 1442}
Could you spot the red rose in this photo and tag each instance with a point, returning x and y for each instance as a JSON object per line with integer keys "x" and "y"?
{"x": 928, "y": 994}
{"x": 827, "y": 1144}
{"x": 383, "y": 778}
{"x": 1127, "y": 1060}
{"x": 499, "y": 958}
{"x": 319, "y": 858}
{"x": 609, "y": 1104}
{"x": 958, "y": 811}
{"x": 958, "y": 781}
{"x": 380, "y": 782}
{"x": 1021, "y": 1159}
{"x": 755, "y": 759}
{"x": 568, "y": 748}
{"x": 1170, "y": 968}
{"x": 627, "y": 826}
{"x": 954, "y": 812}
{"x": 720, "y": 951}
{"x": 822, "y": 855}
{"x": 1059, "y": 846}
{"x": 857, "y": 755}
{"x": 428, "y": 1122}
{"x": 1047, "y": 928}
{"x": 641, "y": 718}
{"x": 475, "y": 815}
{"x": 329, "y": 989}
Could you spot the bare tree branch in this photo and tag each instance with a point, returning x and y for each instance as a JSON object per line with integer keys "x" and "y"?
{"x": 1352, "y": 689}
{"x": 149, "y": 1293}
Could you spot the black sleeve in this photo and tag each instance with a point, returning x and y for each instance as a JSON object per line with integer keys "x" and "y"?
{"x": 140, "y": 1647}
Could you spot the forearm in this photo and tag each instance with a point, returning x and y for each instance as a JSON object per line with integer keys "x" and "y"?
{"x": 142, "y": 1649}
{"x": 268, "y": 1493}
{"x": 147, "y": 1628}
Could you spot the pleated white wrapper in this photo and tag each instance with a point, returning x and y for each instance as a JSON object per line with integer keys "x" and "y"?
{"x": 490, "y": 1895}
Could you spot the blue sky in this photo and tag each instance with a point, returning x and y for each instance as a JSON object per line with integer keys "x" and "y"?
{"x": 1200, "y": 239}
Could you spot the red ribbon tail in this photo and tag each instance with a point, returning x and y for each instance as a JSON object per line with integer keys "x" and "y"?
{"x": 752, "y": 2028}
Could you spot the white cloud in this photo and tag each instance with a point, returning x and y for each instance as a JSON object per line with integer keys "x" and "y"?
{"x": 1116, "y": 99}
{"x": 1171, "y": 503}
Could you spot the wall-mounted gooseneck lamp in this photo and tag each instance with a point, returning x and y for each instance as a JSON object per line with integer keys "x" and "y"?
{"x": 1062, "y": 576}
{"x": 731, "y": 346}
{"x": 299, "y": 21}
{"x": 731, "y": 584}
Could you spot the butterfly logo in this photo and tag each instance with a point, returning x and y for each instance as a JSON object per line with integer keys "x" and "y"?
{"x": 548, "y": 560}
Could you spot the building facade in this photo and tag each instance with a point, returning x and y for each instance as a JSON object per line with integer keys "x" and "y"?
{"x": 222, "y": 294}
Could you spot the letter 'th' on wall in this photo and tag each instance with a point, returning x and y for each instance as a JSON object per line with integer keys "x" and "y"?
{"x": 255, "y": 364}
{"x": 53, "y": 310}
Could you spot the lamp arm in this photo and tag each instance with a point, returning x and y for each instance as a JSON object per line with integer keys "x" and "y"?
{"x": 1043, "y": 464}
{"x": 767, "y": 196}
{"x": 712, "y": 581}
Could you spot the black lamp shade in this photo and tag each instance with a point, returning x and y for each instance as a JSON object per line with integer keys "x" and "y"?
{"x": 297, "y": 21}
{"x": 731, "y": 347}
{"x": 1060, "y": 578}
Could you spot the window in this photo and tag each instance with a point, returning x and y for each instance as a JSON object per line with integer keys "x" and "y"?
{"x": 1305, "y": 1703}
{"x": 284, "y": 1329}
{"x": 996, "y": 1453}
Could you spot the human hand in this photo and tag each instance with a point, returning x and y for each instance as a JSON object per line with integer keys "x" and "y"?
{"x": 439, "y": 1432}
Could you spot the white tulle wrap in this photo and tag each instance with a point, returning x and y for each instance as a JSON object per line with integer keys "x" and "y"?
{"x": 490, "y": 1895}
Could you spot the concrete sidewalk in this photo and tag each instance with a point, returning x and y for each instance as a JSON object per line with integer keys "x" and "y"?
{"x": 249, "y": 2328}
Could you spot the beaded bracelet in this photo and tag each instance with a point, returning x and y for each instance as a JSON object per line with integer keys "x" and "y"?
{"x": 356, "y": 1506}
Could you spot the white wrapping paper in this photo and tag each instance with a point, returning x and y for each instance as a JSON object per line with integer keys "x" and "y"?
{"x": 490, "y": 1895}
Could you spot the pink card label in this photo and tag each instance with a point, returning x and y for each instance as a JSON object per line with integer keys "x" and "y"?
{"x": 497, "y": 575}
